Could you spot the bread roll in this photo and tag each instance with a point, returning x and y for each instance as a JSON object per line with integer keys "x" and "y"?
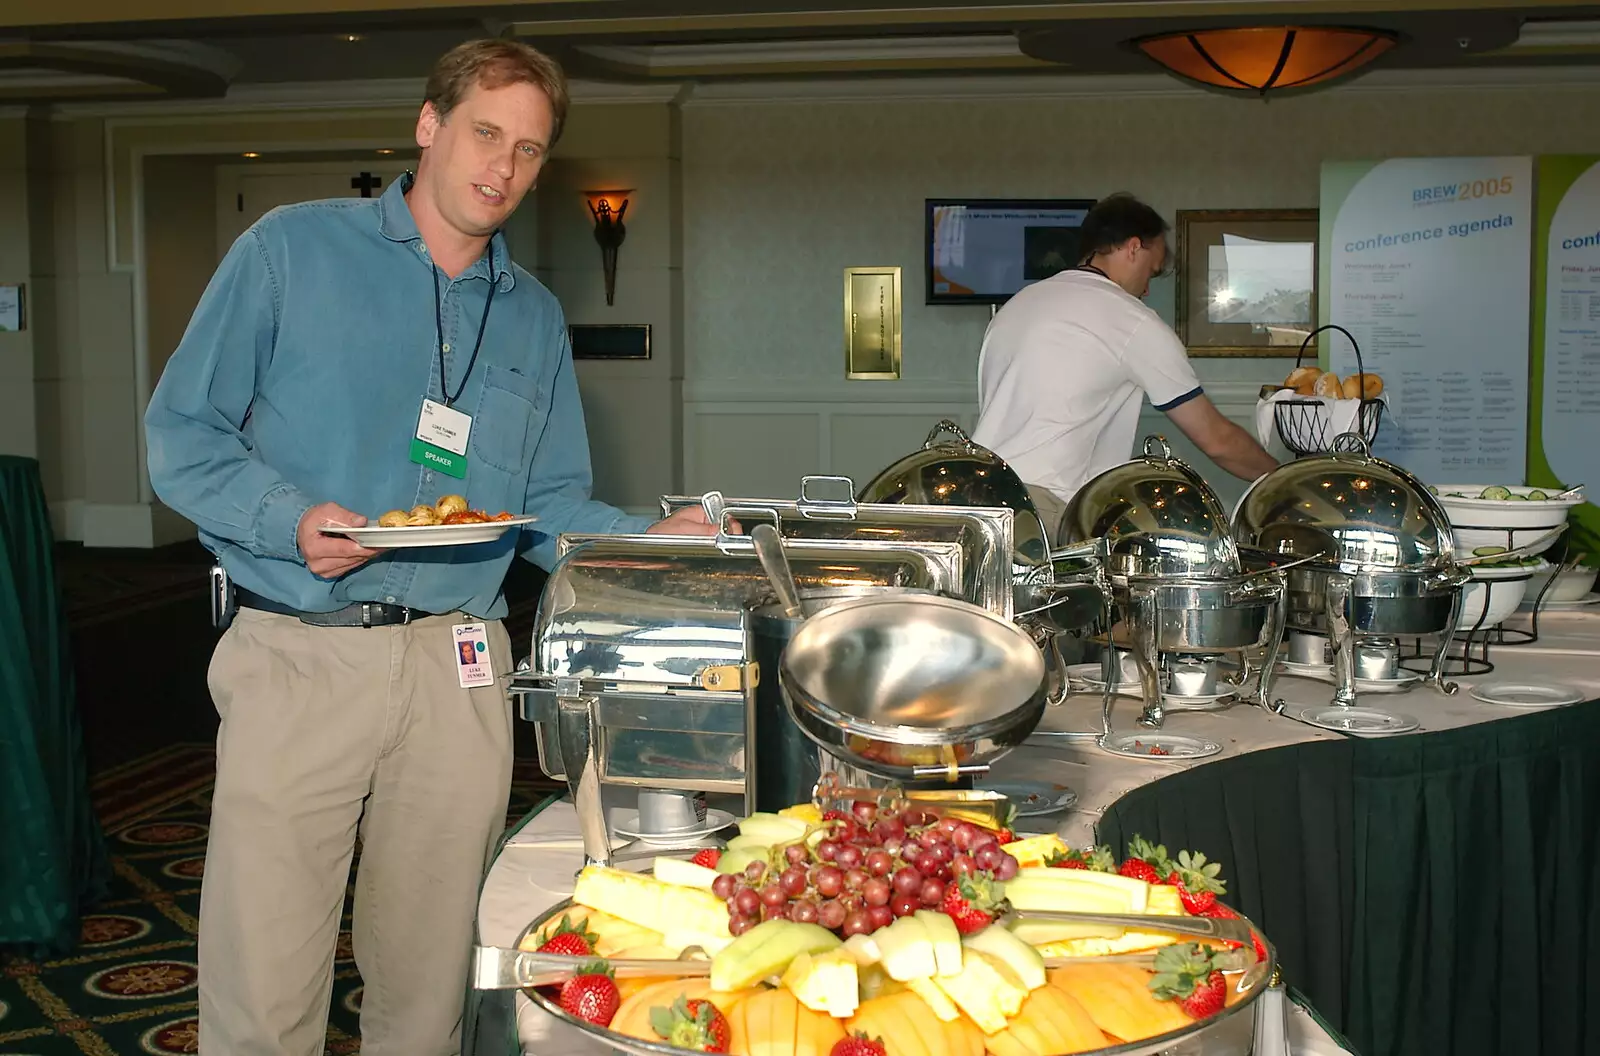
{"x": 1362, "y": 386}
{"x": 1302, "y": 376}
{"x": 1329, "y": 385}
{"x": 393, "y": 519}
{"x": 450, "y": 504}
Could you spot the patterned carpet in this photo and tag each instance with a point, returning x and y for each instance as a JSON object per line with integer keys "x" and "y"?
{"x": 130, "y": 987}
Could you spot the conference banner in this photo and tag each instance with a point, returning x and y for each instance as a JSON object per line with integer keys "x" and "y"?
{"x": 1426, "y": 261}
{"x": 1564, "y": 447}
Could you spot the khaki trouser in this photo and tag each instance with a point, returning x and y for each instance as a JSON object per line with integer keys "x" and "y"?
{"x": 327, "y": 733}
{"x": 1050, "y": 508}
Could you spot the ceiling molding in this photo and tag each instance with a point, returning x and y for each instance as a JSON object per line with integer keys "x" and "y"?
{"x": 44, "y": 71}
{"x": 797, "y": 57}
{"x": 1547, "y": 35}
{"x": 1066, "y": 85}
{"x": 402, "y": 93}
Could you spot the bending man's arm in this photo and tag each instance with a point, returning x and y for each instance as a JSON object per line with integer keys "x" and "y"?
{"x": 1224, "y": 441}
{"x": 201, "y": 463}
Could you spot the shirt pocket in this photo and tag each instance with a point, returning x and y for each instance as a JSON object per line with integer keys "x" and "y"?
{"x": 509, "y": 408}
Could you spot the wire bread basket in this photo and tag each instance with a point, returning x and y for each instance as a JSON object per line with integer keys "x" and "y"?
{"x": 1305, "y": 426}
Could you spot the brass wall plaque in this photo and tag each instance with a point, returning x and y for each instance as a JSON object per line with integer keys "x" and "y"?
{"x": 872, "y": 323}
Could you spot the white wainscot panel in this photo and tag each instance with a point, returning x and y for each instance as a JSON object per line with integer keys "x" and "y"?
{"x": 750, "y": 451}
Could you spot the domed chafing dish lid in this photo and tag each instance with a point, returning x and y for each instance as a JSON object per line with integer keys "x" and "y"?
{"x": 957, "y": 472}
{"x": 1356, "y": 511}
{"x": 1158, "y": 517}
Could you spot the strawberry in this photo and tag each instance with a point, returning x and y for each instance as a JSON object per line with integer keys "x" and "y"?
{"x": 591, "y": 994}
{"x": 1189, "y": 975}
{"x": 835, "y": 815}
{"x": 1145, "y": 862}
{"x": 1004, "y": 836}
{"x": 1196, "y": 881}
{"x": 569, "y": 939}
{"x": 706, "y": 856}
{"x": 858, "y": 1044}
{"x": 1094, "y": 859}
{"x": 696, "y": 1025}
{"x": 972, "y": 901}
{"x": 1222, "y": 912}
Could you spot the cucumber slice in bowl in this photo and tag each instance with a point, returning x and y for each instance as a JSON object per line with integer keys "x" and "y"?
{"x": 1495, "y": 491}
{"x": 1537, "y": 496}
{"x": 1487, "y": 551}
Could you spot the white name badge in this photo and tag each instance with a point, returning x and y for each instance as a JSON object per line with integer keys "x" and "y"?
{"x": 444, "y": 427}
{"x": 472, "y": 655}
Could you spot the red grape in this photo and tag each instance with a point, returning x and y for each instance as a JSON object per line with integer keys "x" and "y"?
{"x": 933, "y": 836}
{"x": 830, "y": 881}
{"x": 942, "y": 851}
{"x": 739, "y": 925}
{"x": 910, "y": 847}
{"x": 747, "y": 902}
{"x": 905, "y": 905}
{"x": 963, "y": 835}
{"x": 893, "y": 845}
{"x": 879, "y": 863}
{"x": 855, "y": 879}
{"x": 876, "y": 892}
{"x": 881, "y": 916}
{"x": 774, "y": 895}
{"x": 723, "y": 886}
{"x": 988, "y": 858}
{"x": 962, "y": 864}
{"x": 928, "y": 863}
{"x": 984, "y": 838}
{"x": 906, "y": 880}
{"x": 846, "y": 831}
{"x": 849, "y": 856}
{"x": 831, "y": 915}
{"x": 754, "y": 871}
{"x": 827, "y": 849}
{"x": 797, "y": 854}
{"x": 804, "y": 912}
{"x": 793, "y": 881}
{"x": 1007, "y": 869}
{"x": 865, "y": 811}
{"x": 858, "y": 923}
{"x": 950, "y": 825}
{"x": 932, "y": 892}
{"x": 884, "y": 831}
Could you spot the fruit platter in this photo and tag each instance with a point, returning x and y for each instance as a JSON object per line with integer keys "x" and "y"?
{"x": 890, "y": 929}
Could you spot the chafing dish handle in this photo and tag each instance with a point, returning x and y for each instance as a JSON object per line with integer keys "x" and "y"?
{"x": 1341, "y": 638}
{"x": 812, "y": 508}
{"x": 1142, "y": 625}
{"x": 577, "y": 725}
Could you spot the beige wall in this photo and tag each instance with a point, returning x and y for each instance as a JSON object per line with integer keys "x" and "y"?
{"x": 18, "y": 432}
{"x": 750, "y": 202}
{"x": 180, "y": 246}
{"x": 783, "y": 193}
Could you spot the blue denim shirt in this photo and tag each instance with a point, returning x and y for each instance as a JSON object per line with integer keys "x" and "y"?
{"x": 300, "y": 380}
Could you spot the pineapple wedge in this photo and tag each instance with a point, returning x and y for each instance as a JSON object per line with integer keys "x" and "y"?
{"x": 646, "y": 901}
{"x": 1035, "y": 850}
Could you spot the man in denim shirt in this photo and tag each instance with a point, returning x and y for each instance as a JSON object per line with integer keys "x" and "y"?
{"x": 296, "y": 400}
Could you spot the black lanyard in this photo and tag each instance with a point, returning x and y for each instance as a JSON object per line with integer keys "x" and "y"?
{"x": 1091, "y": 267}
{"x": 438, "y": 322}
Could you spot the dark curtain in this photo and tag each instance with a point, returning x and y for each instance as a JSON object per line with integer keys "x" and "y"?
{"x": 1429, "y": 893}
{"x": 52, "y": 855}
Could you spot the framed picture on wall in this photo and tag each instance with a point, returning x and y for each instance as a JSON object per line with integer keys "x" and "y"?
{"x": 1246, "y": 280}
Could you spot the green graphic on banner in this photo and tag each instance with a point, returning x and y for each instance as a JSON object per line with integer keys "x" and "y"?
{"x": 1556, "y": 177}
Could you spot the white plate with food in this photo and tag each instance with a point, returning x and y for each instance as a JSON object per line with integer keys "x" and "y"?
{"x": 1158, "y": 744}
{"x": 1033, "y": 798}
{"x": 380, "y": 537}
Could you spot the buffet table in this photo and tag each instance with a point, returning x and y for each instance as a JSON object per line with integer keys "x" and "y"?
{"x": 1420, "y": 888}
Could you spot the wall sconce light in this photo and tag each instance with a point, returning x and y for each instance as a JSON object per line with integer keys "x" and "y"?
{"x": 608, "y": 209}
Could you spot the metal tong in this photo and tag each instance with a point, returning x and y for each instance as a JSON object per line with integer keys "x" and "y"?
{"x": 1216, "y": 929}
{"x": 498, "y": 968}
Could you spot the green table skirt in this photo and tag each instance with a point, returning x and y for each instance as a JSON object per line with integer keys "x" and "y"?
{"x": 1435, "y": 893}
{"x": 52, "y": 855}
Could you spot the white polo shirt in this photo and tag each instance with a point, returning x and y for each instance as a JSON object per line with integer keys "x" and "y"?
{"x": 1063, "y": 371}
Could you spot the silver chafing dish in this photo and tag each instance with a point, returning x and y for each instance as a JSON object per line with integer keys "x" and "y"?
{"x": 1181, "y": 597}
{"x": 655, "y": 659}
{"x": 1377, "y": 552}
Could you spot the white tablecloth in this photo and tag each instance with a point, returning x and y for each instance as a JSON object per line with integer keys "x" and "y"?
{"x": 537, "y": 866}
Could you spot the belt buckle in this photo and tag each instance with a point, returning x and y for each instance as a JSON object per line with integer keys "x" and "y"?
{"x": 405, "y": 615}
{"x": 366, "y": 614}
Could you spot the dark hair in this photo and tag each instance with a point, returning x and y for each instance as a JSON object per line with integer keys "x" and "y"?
{"x": 1115, "y": 220}
{"x": 495, "y": 64}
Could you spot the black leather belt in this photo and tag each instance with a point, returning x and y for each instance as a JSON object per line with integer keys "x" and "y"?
{"x": 361, "y": 614}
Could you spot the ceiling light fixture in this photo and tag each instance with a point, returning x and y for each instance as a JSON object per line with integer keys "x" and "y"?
{"x": 385, "y": 150}
{"x": 1260, "y": 60}
{"x": 351, "y": 38}
{"x": 249, "y": 154}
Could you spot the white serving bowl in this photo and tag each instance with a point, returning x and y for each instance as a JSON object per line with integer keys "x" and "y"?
{"x": 1510, "y": 587}
{"x": 1510, "y": 523}
{"x": 1571, "y": 584}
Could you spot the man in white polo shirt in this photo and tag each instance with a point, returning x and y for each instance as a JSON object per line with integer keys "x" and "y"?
{"x": 1067, "y": 362}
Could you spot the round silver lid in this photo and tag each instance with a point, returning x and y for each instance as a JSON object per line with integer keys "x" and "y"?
{"x": 1348, "y": 507}
{"x": 957, "y": 472}
{"x": 1157, "y": 516}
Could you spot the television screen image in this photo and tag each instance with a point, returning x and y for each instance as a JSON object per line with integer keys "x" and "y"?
{"x": 981, "y": 251}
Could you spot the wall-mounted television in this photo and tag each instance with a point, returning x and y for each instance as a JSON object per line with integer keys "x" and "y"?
{"x": 983, "y": 250}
